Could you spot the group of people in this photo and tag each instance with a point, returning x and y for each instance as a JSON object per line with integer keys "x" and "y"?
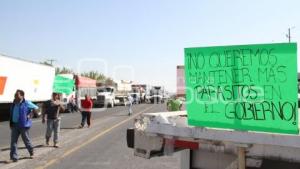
{"x": 21, "y": 113}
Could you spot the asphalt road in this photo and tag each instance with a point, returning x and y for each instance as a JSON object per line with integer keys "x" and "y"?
{"x": 69, "y": 121}
{"x": 110, "y": 152}
{"x": 102, "y": 146}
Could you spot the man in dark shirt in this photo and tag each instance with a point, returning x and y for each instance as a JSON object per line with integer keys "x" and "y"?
{"x": 51, "y": 110}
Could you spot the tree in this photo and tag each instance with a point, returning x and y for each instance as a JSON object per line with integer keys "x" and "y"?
{"x": 46, "y": 63}
{"x": 63, "y": 70}
{"x": 101, "y": 78}
{"x": 94, "y": 75}
{"x": 109, "y": 81}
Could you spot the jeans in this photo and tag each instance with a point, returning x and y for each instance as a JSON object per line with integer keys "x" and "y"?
{"x": 130, "y": 108}
{"x": 72, "y": 107}
{"x": 16, "y": 131}
{"x": 53, "y": 125}
{"x": 86, "y": 116}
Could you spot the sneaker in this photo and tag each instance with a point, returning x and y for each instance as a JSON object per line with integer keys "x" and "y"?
{"x": 89, "y": 126}
{"x": 47, "y": 143}
{"x": 80, "y": 126}
{"x": 32, "y": 156}
{"x": 56, "y": 145}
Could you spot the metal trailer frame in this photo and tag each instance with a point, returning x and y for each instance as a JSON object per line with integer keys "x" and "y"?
{"x": 233, "y": 149}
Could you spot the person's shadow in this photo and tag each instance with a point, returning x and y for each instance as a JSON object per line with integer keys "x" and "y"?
{"x": 68, "y": 128}
{"x": 9, "y": 162}
{"x": 22, "y": 158}
{"x": 21, "y": 148}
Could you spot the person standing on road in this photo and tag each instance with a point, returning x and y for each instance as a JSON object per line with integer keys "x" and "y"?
{"x": 86, "y": 111}
{"x": 52, "y": 109}
{"x": 174, "y": 104}
{"x": 72, "y": 104}
{"x": 130, "y": 102}
{"x": 20, "y": 123}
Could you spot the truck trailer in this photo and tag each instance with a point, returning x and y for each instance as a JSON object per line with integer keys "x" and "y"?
{"x": 160, "y": 134}
{"x": 35, "y": 79}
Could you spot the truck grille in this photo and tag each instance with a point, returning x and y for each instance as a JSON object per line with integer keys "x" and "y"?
{"x": 101, "y": 98}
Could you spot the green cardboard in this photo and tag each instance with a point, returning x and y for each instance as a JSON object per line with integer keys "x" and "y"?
{"x": 245, "y": 87}
{"x": 63, "y": 85}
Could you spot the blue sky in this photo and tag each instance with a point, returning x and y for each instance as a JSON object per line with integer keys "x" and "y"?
{"x": 141, "y": 40}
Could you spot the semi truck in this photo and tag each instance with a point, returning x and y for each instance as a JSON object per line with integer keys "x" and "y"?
{"x": 106, "y": 96}
{"x": 142, "y": 91}
{"x": 157, "y": 94}
{"x": 35, "y": 79}
{"x": 116, "y": 94}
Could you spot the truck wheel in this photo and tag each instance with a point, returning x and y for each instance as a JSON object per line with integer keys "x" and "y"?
{"x": 111, "y": 105}
{"x": 38, "y": 113}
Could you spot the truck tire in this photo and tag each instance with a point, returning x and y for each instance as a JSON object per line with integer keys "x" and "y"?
{"x": 39, "y": 111}
{"x": 111, "y": 104}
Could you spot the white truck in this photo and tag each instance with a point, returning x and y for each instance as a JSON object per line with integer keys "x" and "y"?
{"x": 157, "y": 94}
{"x": 106, "y": 96}
{"x": 35, "y": 79}
{"x": 109, "y": 96}
{"x": 141, "y": 90}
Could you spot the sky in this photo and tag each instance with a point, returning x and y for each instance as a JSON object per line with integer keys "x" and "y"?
{"x": 139, "y": 40}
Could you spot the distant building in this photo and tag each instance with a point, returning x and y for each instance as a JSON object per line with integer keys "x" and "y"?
{"x": 180, "y": 81}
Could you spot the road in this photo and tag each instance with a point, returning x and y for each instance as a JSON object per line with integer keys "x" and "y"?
{"x": 102, "y": 146}
{"x": 69, "y": 121}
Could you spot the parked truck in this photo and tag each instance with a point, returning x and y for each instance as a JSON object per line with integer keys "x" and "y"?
{"x": 106, "y": 96}
{"x": 83, "y": 86}
{"x": 35, "y": 79}
{"x": 157, "y": 94}
{"x": 116, "y": 94}
{"x": 142, "y": 91}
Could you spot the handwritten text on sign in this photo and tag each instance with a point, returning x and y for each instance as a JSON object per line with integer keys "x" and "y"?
{"x": 250, "y": 87}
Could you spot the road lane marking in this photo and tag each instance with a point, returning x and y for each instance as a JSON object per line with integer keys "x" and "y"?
{"x": 39, "y": 120}
{"x": 70, "y": 151}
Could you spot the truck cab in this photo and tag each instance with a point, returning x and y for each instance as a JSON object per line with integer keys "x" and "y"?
{"x": 156, "y": 94}
{"x": 105, "y": 96}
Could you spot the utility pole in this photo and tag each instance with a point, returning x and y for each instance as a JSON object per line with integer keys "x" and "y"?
{"x": 289, "y": 33}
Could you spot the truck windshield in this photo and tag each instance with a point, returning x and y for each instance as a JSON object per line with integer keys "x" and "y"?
{"x": 107, "y": 89}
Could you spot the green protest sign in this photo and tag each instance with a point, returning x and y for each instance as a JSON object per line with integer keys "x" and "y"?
{"x": 247, "y": 87}
{"x": 63, "y": 85}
